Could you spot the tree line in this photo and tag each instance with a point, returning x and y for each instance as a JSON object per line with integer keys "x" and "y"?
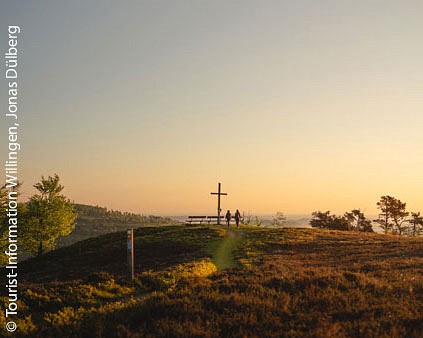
{"x": 96, "y": 212}
{"x": 393, "y": 219}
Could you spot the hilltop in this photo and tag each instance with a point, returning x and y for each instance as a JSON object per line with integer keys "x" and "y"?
{"x": 93, "y": 221}
{"x": 205, "y": 281}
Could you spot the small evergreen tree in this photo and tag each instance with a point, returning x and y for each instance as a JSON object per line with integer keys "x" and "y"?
{"x": 416, "y": 224}
{"x": 358, "y": 222}
{"x": 325, "y": 220}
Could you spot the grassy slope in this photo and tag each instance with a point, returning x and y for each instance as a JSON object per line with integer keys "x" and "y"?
{"x": 155, "y": 248}
{"x": 294, "y": 282}
{"x": 93, "y": 221}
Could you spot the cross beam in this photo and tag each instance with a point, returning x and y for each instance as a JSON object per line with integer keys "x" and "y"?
{"x": 218, "y": 193}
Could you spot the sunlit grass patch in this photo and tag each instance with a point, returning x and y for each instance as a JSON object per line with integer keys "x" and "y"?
{"x": 202, "y": 268}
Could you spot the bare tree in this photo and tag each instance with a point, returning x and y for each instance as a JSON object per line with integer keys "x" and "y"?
{"x": 279, "y": 220}
{"x": 247, "y": 218}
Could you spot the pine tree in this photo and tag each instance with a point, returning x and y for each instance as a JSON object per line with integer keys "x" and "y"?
{"x": 416, "y": 224}
{"x": 325, "y": 220}
{"x": 358, "y": 222}
{"x": 393, "y": 215}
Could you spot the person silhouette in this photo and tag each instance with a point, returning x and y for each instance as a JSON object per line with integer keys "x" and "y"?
{"x": 237, "y": 217}
{"x": 228, "y": 217}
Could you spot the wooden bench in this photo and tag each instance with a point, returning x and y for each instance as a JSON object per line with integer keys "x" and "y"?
{"x": 208, "y": 219}
{"x": 213, "y": 218}
{"x": 198, "y": 219}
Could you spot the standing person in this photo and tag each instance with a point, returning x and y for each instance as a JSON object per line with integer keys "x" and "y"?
{"x": 228, "y": 217}
{"x": 237, "y": 217}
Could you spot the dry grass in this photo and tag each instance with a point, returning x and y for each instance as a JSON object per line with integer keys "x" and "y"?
{"x": 295, "y": 283}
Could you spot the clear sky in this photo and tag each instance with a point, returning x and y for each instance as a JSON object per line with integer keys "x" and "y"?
{"x": 293, "y": 105}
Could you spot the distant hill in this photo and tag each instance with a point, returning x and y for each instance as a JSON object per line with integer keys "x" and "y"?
{"x": 93, "y": 221}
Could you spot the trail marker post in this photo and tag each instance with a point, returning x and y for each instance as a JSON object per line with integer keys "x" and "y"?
{"x": 130, "y": 253}
{"x": 218, "y": 193}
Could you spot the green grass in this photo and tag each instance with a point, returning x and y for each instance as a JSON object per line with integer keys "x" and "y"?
{"x": 223, "y": 251}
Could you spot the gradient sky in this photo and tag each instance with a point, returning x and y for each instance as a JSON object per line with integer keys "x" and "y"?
{"x": 293, "y": 105}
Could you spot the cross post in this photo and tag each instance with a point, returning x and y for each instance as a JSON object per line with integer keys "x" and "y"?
{"x": 218, "y": 193}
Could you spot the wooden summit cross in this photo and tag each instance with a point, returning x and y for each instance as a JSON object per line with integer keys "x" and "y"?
{"x": 218, "y": 193}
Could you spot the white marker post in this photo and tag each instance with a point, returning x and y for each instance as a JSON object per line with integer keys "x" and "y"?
{"x": 130, "y": 251}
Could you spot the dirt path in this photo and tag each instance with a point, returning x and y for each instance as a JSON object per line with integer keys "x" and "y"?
{"x": 223, "y": 256}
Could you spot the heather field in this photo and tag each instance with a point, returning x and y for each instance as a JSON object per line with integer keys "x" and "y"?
{"x": 206, "y": 281}
{"x": 213, "y": 168}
